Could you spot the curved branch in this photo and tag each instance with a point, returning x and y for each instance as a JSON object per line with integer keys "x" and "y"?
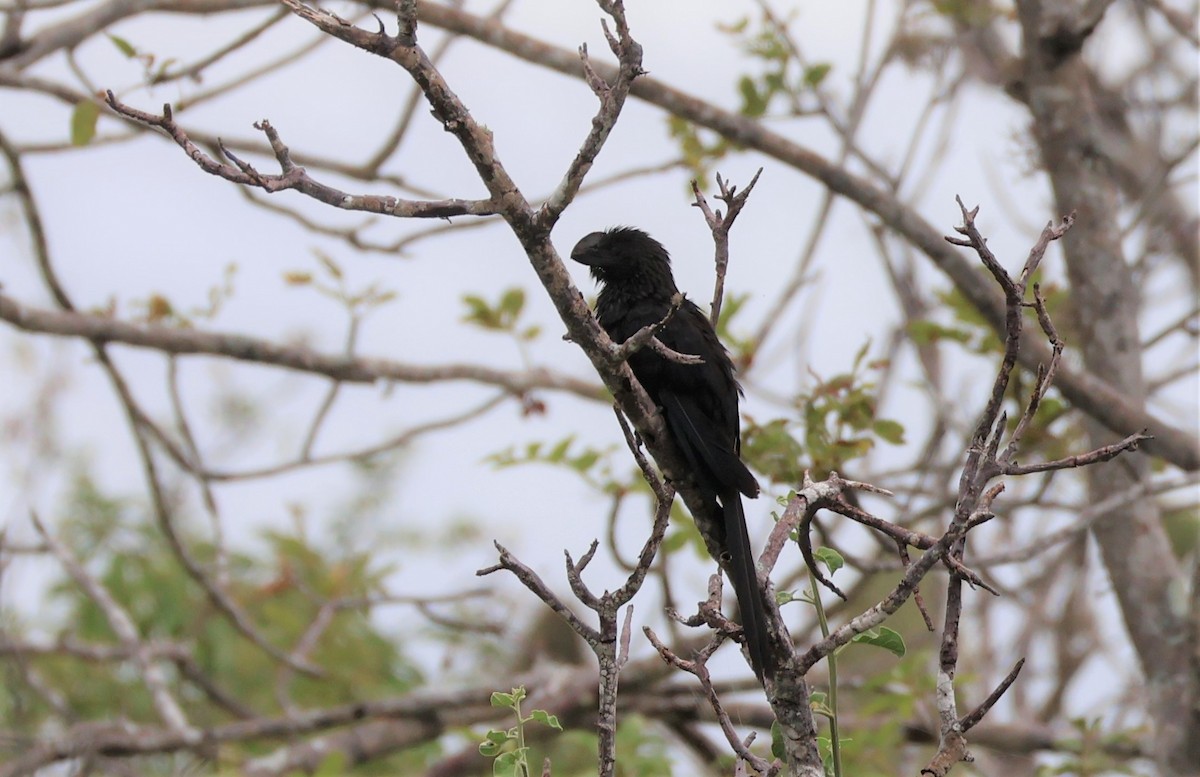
{"x": 296, "y": 177}
{"x": 101, "y": 329}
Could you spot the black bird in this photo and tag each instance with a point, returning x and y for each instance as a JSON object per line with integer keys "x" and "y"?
{"x": 699, "y": 402}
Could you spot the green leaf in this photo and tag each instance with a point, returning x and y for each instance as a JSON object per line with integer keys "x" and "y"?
{"x": 831, "y": 558}
{"x": 500, "y": 699}
{"x": 161, "y": 72}
{"x": 559, "y": 451}
{"x": 813, "y": 76}
{"x": 891, "y": 431}
{"x": 512, "y": 302}
{"x": 777, "y": 749}
{"x": 508, "y": 764}
{"x": 493, "y": 743}
{"x": 503, "y": 316}
{"x": 123, "y": 45}
{"x": 754, "y": 104}
{"x": 818, "y": 701}
{"x": 825, "y": 748}
{"x": 771, "y": 449}
{"x": 83, "y": 123}
{"x": 888, "y": 639}
{"x": 541, "y": 716}
{"x": 584, "y": 461}
{"x": 861, "y": 354}
{"x": 924, "y": 332}
{"x": 676, "y": 540}
{"x": 478, "y": 308}
{"x": 733, "y": 304}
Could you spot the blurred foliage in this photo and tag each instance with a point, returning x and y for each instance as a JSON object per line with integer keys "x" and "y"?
{"x": 592, "y": 464}
{"x": 698, "y": 148}
{"x": 330, "y": 281}
{"x": 83, "y": 122}
{"x": 970, "y": 328}
{"x": 969, "y": 12}
{"x": 781, "y": 77}
{"x": 281, "y": 589}
{"x": 87, "y": 112}
{"x": 837, "y": 422}
{"x": 1183, "y": 529}
{"x": 884, "y": 700}
{"x": 778, "y": 76}
{"x": 501, "y": 316}
{"x": 1093, "y": 752}
{"x": 159, "y": 309}
{"x": 595, "y": 466}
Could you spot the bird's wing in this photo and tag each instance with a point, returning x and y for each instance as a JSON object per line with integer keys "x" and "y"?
{"x": 720, "y": 475}
{"x": 707, "y": 446}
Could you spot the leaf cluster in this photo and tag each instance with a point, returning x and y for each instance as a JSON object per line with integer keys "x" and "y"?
{"x": 838, "y": 422}
{"x": 502, "y": 315}
{"x": 783, "y": 77}
{"x": 330, "y": 281}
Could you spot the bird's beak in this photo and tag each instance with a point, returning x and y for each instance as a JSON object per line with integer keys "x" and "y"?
{"x": 585, "y": 251}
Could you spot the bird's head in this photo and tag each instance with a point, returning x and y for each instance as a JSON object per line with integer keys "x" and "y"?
{"x": 623, "y": 254}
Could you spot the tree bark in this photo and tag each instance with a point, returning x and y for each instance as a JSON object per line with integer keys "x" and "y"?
{"x": 1146, "y": 576}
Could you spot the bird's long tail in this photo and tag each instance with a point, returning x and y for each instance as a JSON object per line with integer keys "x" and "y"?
{"x": 751, "y": 597}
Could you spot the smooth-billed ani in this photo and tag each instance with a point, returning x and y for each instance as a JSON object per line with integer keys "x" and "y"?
{"x": 699, "y": 402}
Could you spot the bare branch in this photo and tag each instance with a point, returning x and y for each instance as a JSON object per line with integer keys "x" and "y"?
{"x": 720, "y": 225}
{"x": 123, "y": 627}
{"x": 102, "y": 329}
{"x": 612, "y": 94}
{"x": 295, "y": 177}
{"x": 699, "y": 667}
{"x": 969, "y": 721}
{"x": 533, "y": 582}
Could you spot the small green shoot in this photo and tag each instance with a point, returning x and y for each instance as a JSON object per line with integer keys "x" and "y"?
{"x": 507, "y": 749}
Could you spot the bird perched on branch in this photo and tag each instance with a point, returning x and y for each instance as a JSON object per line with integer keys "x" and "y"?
{"x": 698, "y": 401}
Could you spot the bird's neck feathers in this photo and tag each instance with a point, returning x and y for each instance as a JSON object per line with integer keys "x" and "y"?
{"x": 632, "y": 268}
{"x": 636, "y": 290}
